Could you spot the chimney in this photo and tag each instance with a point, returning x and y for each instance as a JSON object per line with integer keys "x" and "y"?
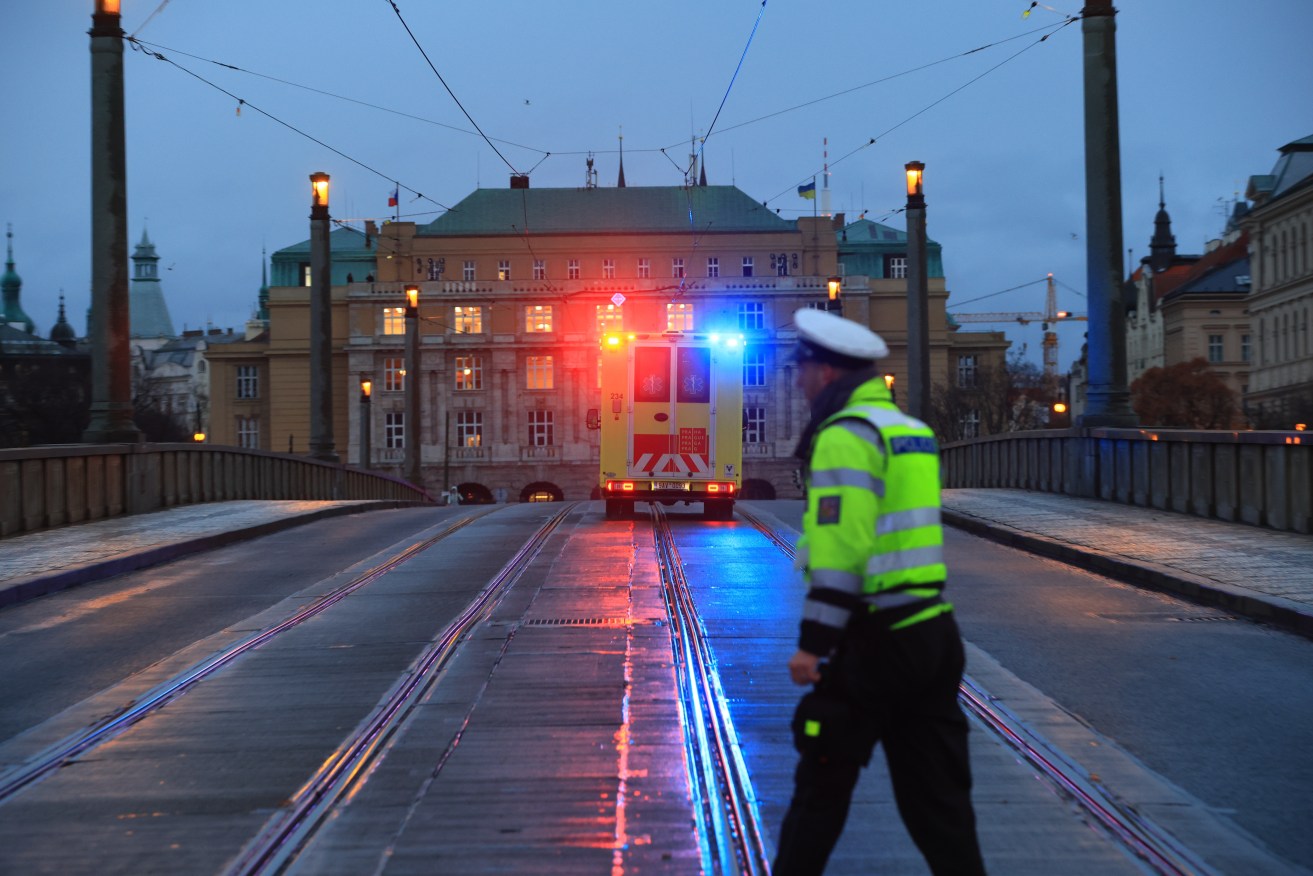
{"x": 519, "y": 180}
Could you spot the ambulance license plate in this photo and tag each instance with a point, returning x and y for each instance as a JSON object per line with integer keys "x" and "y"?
{"x": 672, "y": 485}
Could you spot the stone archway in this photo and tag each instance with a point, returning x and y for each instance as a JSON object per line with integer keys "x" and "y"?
{"x": 756, "y": 488}
{"x": 474, "y": 494}
{"x": 542, "y": 491}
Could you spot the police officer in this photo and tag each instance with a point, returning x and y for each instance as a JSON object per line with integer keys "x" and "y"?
{"x": 877, "y": 640}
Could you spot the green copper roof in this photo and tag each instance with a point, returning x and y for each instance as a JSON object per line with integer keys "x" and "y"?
{"x": 633, "y": 209}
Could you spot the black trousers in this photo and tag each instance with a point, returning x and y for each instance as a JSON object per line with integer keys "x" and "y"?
{"x": 902, "y": 687}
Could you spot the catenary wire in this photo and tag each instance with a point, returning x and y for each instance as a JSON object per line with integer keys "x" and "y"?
{"x": 413, "y": 39}
{"x": 873, "y": 140}
{"x": 241, "y": 102}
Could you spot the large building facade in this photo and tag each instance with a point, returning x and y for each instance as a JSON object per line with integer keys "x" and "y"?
{"x": 516, "y": 288}
{"x": 1281, "y": 303}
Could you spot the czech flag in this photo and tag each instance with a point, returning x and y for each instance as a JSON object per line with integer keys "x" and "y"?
{"x": 808, "y": 191}
{"x": 396, "y": 196}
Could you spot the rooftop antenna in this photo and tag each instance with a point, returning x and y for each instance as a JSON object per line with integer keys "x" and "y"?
{"x": 590, "y": 175}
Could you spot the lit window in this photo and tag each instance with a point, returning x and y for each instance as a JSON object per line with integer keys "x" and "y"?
{"x": 467, "y": 320}
{"x": 538, "y": 372}
{"x": 469, "y": 428}
{"x": 504, "y": 269}
{"x": 609, "y": 318}
{"x": 394, "y": 320}
{"x": 469, "y": 373}
{"x": 248, "y": 381}
{"x": 394, "y": 374}
{"x": 540, "y": 428}
{"x": 747, "y": 266}
{"x": 679, "y": 317}
{"x": 608, "y": 269}
{"x": 468, "y": 271}
{"x": 307, "y": 278}
{"x": 713, "y": 266}
{"x": 644, "y": 269}
{"x": 394, "y": 430}
{"x": 538, "y": 317}
{"x": 754, "y": 425}
{"x": 572, "y": 269}
{"x": 754, "y": 367}
{"x": 752, "y": 315}
{"x": 539, "y": 269}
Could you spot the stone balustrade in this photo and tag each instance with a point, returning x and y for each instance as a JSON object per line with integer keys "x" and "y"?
{"x": 1262, "y": 478}
{"x": 44, "y": 487}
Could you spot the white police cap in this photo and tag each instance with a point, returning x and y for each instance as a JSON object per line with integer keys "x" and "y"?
{"x": 826, "y": 337}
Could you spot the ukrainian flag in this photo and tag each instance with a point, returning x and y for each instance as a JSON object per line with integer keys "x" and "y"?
{"x": 808, "y": 191}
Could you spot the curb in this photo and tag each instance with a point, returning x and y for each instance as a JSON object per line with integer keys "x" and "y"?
{"x": 1284, "y": 613}
{"x": 32, "y": 588}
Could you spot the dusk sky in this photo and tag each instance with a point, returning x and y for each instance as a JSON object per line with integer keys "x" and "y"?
{"x": 1209, "y": 91}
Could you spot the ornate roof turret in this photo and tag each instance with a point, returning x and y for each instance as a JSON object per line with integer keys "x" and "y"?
{"x": 149, "y": 314}
{"x": 1162, "y": 247}
{"x": 12, "y": 285}
{"x": 63, "y": 333}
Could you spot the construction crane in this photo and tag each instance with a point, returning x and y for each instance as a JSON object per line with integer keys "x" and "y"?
{"x": 1049, "y": 319}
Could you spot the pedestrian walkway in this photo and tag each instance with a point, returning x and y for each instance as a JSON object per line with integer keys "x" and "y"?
{"x": 43, "y": 562}
{"x": 1261, "y": 573}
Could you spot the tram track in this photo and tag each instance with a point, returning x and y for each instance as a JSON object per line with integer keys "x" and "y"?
{"x": 78, "y": 744}
{"x": 1139, "y": 836}
{"x": 725, "y": 806}
{"x": 293, "y": 828}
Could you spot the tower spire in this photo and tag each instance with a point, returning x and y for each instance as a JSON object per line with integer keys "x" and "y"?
{"x": 620, "y": 183}
{"x": 1162, "y": 247}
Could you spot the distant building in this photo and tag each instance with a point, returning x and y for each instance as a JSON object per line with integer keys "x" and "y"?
{"x": 516, "y": 287}
{"x": 1158, "y": 274}
{"x": 45, "y": 384}
{"x": 1206, "y": 315}
{"x": 1281, "y": 260}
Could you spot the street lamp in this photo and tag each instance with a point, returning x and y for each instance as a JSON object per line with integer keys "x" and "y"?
{"x": 321, "y": 323}
{"x": 366, "y": 387}
{"x": 918, "y": 295}
{"x": 109, "y": 326}
{"x": 889, "y": 385}
{"x": 412, "y": 438}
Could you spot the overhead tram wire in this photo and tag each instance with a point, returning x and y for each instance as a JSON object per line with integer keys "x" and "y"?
{"x": 892, "y": 76}
{"x": 872, "y": 141}
{"x": 241, "y": 102}
{"x": 562, "y": 152}
{"x": 335, "y": 96}
{"x": 697, "y": 155}
{"x": 413, "y": 39}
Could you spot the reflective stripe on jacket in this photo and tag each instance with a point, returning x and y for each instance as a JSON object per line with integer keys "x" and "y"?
{"x": 872, "y": 538}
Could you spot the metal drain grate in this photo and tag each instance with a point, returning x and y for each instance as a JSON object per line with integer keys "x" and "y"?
{"x": 1150, "y": 617}
{"x": 577, "y": 622}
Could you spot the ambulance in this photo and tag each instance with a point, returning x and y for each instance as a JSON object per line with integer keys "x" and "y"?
{"x": 671, "y": 421}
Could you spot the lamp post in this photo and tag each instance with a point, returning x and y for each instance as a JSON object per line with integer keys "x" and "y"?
{"x": 1108, "y": 401}
{"x": 412, "y": 385}
{"x": 111, "y": 357}
{"x": 366, "y": 386}
{"x": 918, "y": 296}
{"x": 321, "y": 324}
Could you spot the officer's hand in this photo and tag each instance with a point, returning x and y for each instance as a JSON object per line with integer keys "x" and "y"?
{"x": 804, "y": 668}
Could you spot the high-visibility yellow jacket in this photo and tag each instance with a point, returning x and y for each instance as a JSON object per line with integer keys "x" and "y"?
{"x": 872, "y": 540}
